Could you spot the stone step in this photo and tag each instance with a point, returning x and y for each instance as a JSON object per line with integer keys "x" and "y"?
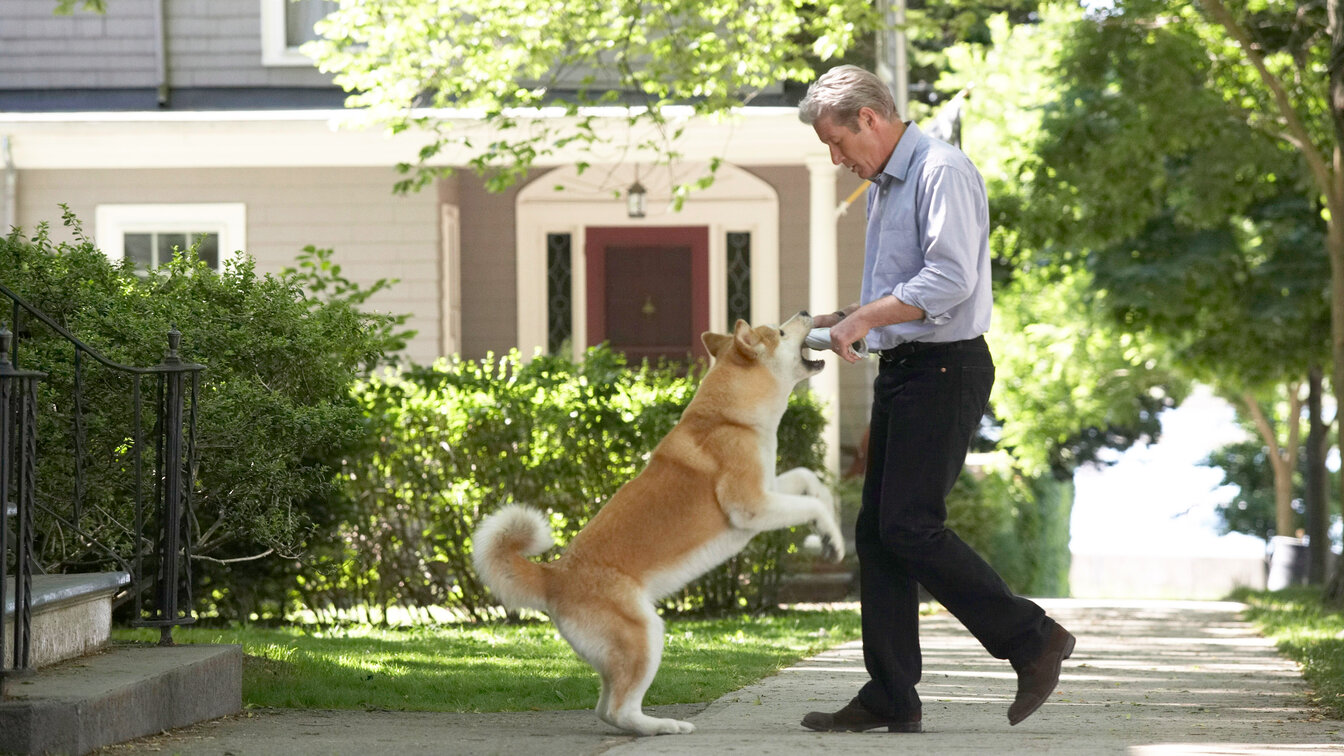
{"x": 72, "y": 615}
{"x": 124, "y": 692}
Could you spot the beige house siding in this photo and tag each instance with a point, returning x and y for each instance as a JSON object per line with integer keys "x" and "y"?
{"x": 856, "y": 383}
{"x": 352, "y": 211}
{"x": 489, "y": 267}
{"x": 792, "y": 184}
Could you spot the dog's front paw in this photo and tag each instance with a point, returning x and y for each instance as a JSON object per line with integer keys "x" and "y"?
{"x": 832, "y": 548}
{"x": 804, "y": 482}
{"x": 820, "y": 490}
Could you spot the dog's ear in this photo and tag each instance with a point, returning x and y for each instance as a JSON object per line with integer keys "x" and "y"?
{"x": 715, "y": 341}
{"x": 748, "y": 342}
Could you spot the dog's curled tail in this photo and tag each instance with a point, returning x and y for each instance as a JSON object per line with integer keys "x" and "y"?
{"x": 501, "y": 545}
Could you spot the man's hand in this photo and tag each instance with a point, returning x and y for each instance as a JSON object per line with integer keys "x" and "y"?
{"x": 843, "y": 336}
{"x": 825, "y": 321}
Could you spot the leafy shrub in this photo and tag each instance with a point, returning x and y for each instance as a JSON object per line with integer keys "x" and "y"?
{"x": 275, "y": 416}
{"x": 455, "y": 441}
{"x": 1019, "y": 525}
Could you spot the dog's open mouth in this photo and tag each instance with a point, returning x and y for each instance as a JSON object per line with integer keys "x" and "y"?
{"x": 813, "y": 366}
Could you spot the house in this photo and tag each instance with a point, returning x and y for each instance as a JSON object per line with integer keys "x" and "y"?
{"x": 165, "y": 120}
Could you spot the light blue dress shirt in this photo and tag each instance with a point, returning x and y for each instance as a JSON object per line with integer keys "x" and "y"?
{"x": 928, "y": 242}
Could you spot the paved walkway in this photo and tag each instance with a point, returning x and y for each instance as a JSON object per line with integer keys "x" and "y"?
{"x": 1146, "y": 678}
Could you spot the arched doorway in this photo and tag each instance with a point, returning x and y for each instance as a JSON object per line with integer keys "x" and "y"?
{"x": 736, "y": 219}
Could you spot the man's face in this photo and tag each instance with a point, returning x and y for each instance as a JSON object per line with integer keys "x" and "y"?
{"x": 864, "y": 152}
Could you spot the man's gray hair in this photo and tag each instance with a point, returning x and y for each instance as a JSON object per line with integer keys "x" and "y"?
{"x": 841, "y": 92}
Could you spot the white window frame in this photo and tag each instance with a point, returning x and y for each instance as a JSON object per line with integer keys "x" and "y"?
{"x": 228, "y": 219}
{"x": 274, "y": 51}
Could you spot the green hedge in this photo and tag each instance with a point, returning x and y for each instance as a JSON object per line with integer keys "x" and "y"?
{"x": 1019, "y": 525}
{"x": 455, "y": 441}
{"x": 275, "y": 414}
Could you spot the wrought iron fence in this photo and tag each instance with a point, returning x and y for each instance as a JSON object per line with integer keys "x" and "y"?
{"x": 158, "y": 467}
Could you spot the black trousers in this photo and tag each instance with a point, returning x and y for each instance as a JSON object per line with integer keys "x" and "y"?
{"x": 926, "y": 408}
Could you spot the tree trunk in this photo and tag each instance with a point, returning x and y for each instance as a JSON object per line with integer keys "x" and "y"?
{"x": 1282, "y": 457}
{"x": 1318, "y": 505}
{"x": 1334, "y": 197}
{"x": 1334, "y": 593}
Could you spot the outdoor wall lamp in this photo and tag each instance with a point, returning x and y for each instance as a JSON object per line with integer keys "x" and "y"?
{"x": 636, "y": 198}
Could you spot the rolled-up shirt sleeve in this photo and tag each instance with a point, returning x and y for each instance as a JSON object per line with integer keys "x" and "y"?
{"x": 954, "y": 225}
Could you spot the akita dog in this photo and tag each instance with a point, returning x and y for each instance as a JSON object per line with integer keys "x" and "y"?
{"x": 710, "y": 486}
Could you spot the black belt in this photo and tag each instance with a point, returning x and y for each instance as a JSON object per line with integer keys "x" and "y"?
{"x": 910, "y": 348}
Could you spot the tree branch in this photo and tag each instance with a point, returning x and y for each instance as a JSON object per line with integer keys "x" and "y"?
{"x": 1316, "y": 161}
{"x": 1265, "y": 427}
{"x": 252, "y": 558}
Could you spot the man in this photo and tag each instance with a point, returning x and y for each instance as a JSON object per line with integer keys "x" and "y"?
{"x": 924, "y": 308}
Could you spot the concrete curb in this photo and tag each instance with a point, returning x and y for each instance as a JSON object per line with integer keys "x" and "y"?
{"x": 125, "y": 692}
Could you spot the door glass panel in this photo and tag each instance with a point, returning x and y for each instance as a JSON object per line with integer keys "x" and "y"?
{"x": 559, "y": 302}
{"x": 739, "y": 277}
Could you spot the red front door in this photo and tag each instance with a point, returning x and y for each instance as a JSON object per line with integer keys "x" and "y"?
{"x": 648, "y": 290}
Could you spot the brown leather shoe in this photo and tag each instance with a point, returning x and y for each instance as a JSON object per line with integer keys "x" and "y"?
{"x": 856, "y": 717}
{"x": 1037, "y": 680}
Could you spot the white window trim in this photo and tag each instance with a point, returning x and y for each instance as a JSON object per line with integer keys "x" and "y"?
{"x": 450, "y": 274}
{"x": 228, "y": 219}
{"x": 274, "y": 51}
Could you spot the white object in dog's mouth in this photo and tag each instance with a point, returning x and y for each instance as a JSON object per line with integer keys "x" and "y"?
{"x": 820, "y": 339}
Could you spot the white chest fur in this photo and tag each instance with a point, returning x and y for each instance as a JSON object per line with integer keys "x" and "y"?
{"x": 697, "y": 562}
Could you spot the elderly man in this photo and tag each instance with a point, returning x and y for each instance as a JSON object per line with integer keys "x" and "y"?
{"x": 924, "y": 308}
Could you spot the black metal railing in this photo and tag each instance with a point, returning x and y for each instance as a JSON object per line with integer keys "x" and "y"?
{"x": 155, "y": 549}
{"x": 18, "y": 463}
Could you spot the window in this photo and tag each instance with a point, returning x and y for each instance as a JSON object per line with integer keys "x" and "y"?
{"x": 147, "y": 234}
{"x": 287, "y": 24}
{"x": 150, "y": 249}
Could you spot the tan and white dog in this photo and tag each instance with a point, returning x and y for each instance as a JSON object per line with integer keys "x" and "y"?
{"x": 710, "y": 486}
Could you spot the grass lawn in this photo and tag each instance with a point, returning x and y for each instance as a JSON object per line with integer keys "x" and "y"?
{"x": 482, "y": 668}
{"x": 1307, "y": 632}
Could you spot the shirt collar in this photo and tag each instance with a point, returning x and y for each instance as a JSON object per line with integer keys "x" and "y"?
{"x": 898, "y": 165}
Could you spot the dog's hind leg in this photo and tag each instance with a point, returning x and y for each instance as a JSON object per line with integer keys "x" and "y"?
{"x": 625, "y": 645}
{"x": 604, "y": 703}
{"x": 630, "y": 673}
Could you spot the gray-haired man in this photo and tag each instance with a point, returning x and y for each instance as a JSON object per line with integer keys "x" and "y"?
{"x": 925, "y": 306}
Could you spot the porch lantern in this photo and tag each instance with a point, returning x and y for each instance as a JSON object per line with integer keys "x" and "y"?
{"x": 636, "y": 198}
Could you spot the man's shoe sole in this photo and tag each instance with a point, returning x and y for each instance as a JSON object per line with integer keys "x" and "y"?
{"x": 824, "y": 722}
{"x": 897, "y": 727}
{"x": 906, "y": 727}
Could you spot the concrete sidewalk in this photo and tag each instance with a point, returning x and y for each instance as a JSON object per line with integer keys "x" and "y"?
{"x": 1146, "y": 678}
